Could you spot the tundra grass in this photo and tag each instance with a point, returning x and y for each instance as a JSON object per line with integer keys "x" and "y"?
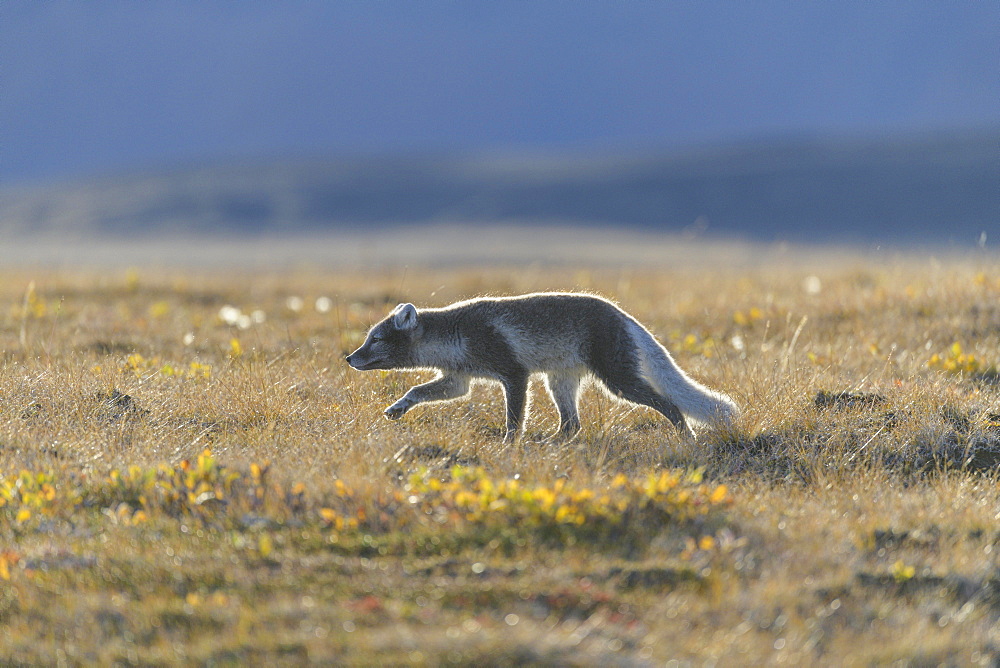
{"x": 190, "y": 474}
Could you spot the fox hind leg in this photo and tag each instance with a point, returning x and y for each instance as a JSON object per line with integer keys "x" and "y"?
{"x": 630, "y": 386}
{"x": 642, "y": 393}
{"x": 564, "y": 388}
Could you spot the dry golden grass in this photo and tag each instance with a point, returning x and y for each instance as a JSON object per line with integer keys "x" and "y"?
{"x": 862, "y": 531}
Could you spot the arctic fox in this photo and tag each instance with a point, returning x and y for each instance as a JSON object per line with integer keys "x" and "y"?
{"x": 568, "y": 337}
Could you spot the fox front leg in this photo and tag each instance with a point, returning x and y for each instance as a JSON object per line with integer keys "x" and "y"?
{"x": 515, "y": 390}
{"x": 440, "y": 389}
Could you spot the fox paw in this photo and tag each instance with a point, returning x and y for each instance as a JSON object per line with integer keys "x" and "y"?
{"x": 395, "y": 411}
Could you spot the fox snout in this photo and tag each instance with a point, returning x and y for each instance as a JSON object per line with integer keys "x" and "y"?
{"x": 362, "y": 360}
{"x": 355, "y": 359}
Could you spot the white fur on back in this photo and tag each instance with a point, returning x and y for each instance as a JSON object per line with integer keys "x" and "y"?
{"x": 541, "y": 350}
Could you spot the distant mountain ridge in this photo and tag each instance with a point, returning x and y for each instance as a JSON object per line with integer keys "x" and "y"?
{"x": 927, "y": 189}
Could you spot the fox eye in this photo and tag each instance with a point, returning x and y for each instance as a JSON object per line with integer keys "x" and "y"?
{"x": 376, "y": 338}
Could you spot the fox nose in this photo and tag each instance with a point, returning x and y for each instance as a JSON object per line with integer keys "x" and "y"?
{"x": 347, "y": 358}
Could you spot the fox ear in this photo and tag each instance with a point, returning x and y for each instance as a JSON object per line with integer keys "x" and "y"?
{"x": 405, "y": 316}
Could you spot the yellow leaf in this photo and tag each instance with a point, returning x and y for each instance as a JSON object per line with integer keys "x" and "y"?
{"x": 901, "y": 572}
{"x": 265, "y": 545}
{"x": 159, "y": 309}
{"x": 199, "y": 370}
{"x": 719, "y": 494}
{"x": 206, "y": 462}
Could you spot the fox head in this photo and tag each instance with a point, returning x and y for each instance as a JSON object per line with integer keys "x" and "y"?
{"x": 389, "y": 344}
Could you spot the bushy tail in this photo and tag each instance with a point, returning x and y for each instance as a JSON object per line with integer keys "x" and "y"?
{"x": 696, "y": 401}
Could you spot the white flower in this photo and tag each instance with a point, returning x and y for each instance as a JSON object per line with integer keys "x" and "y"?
{"x": 812, "y": 285}
{"x": 229, "y": 314}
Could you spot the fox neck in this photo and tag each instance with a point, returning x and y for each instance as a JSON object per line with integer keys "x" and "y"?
{"x": 434, "y": 347}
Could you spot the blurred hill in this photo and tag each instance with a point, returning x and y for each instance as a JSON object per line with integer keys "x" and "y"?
{"x": 918, "y": 190}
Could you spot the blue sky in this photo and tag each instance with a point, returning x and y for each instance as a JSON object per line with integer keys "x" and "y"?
{"x": 104, "y": 87}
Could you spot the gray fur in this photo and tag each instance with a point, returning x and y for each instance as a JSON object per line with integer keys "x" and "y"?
{"x": 568, "y": 337}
